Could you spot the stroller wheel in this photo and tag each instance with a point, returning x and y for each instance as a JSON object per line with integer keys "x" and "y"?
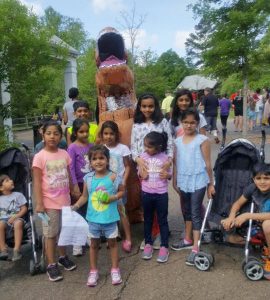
{"x": 32, "y": 268}
{"x": 203, "y": 261}
{"x": 253, "y": 270}
{"x": 250, "y": 258}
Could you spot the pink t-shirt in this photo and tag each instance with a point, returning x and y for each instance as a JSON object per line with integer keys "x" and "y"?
{"x": 55, "y": 178}
{"x": 154, "y": 184}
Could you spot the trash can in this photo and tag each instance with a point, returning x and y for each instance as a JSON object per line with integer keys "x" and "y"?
{"x": 36, "y": 135}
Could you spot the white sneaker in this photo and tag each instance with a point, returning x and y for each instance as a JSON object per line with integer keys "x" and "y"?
{"x": 77, "y": 251}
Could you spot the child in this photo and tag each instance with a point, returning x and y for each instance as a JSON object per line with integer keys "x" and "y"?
{"x": 102, "y": 188}
{"x": 82, "y": 111}
{"x": 259, "y": 192}
{"x": 119, "y": 164}
{"x": 52, "y": 191}
{"x": 78, "y": 152}
{"x": 40, "y": 145}
{"x": 155, "y": 193}
{"x": 148, "y": 117}
{"x": 192, "y": 174}
{"x": 69, "y": 117}
{"x": 182, "y": 101}
{"x": 12, "y": 209}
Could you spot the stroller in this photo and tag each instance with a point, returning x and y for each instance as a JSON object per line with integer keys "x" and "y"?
{"x": 15, "y": 163}
{"x": 233, "y": 171}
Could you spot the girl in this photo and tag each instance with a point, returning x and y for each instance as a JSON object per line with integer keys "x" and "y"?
{"x": 148, "y": 117}
{"x": 155, "y": 193}
{"x": 12, "y": 210}
{"x": 119, "y": 164}
{"x": 78, "y": 152}
{"x": 52, "y": 192}
{"x": 192, "y": 174}
{"x": 102, "y": 188}
{"x": 182, "y": 101}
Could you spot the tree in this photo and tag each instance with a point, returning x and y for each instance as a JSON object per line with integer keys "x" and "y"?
{"x": 131, "y": 23}
{"x": 236, "y": 29}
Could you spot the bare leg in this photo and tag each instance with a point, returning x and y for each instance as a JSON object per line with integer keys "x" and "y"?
{"x": 241, "y": 123}
{"x": 236, "y": 123}
{"x": 62, "y": 250}
{"x": 125, "y": 222}
{"x": 94, "y": 253}
{"x": 2, "y": 236}
{"x": 114, "y": 252}
{"x": 50, "y": 245}
{"x": 188, "y": 230}
{"x": 266, "y": 230}
{"x": 18, "y": 234}
{"x": 196, "y": 236}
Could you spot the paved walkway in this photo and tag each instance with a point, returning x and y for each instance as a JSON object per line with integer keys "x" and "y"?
{"x": 142, "y": 279}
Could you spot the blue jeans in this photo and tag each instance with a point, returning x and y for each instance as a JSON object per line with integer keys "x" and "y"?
{"x": 158, "y": 203}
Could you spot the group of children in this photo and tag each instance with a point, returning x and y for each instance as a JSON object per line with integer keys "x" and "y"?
{"x": 92, "y": 179}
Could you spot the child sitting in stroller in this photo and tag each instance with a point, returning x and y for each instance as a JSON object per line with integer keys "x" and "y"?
{"x": 12, "y": 209}
{"x": 259, "y": 193}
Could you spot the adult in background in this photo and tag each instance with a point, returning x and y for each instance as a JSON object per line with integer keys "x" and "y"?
{"x": 225, "y": 105}
{"x": 238, "y": 111}
{"x": 259, "y": 107}
{"x": 69, "y": 116}
{"x": 166, "y": 105}
{"x": 210, "y": 106}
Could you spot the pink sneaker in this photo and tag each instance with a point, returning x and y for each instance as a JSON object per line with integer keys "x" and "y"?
{"x": 147, "y": 252}
{"x": 116, "y": 276}
{"x": 126, "y": 246}
{"x": 92, "y": 278}
{"x": 163, "y": 255}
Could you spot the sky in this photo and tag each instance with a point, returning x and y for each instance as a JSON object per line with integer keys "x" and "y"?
{"x": 167, "y": 23}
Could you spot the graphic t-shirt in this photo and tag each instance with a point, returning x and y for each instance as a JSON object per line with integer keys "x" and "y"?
{"x": 98, "y": 212}
{"x": 55, "y": 179}
{"x": 79, "y": 161}
{"x": 154, "y": 184}
{"x": 10, "y": 204}
{"x": 117, "y": 154}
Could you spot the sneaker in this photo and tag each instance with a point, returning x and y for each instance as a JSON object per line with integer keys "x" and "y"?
{"x": 16, "y": 255}
{"x": 156, "y": 243}
{"x": 181, "y": 246}
{"x": 265, "y": 253}
{"x": 142, "y": 245}
{"x": 77, "y": 251}
{"x": 4, "y": 254}
{"x": 65, "y": 262}
{"x": 163, "y": 255}
{"x": 92, "y": 278}
{"x": 190, "y": 258}
{"x": 147, "y": 252}
{"x": 216, "y": 140}
{"x": 266, "y": 269}
{"x": 126, "y": 246}
{"x": 116, "y": 276}
{"x": 54, "y": 273}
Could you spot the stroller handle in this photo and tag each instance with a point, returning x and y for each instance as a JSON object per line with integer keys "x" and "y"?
{"x": 262, "y": 153}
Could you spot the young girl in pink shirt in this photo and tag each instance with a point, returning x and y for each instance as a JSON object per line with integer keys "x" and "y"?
{"x": 51, "y": 192}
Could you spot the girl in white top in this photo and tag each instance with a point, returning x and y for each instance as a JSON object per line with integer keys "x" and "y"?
{"x": 119, "y": 164}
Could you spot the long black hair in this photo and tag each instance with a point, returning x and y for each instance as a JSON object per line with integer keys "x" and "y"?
{"x": 176, "y": 112}
{"x": 113, "y": 126}
{"x": 77, "y": 124}
{"x": 156, "y": 116}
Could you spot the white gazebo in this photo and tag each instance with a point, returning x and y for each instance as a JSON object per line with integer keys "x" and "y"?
{"x": 70, "y": 77}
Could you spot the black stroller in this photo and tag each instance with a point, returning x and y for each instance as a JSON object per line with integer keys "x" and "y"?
{"x": 233, "y": 171}
{"x": 15, "y": 163}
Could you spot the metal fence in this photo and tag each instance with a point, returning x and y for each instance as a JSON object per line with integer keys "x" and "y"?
{"x": 26, "y": 122}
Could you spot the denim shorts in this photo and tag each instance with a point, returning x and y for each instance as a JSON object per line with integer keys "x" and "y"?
{"x": 96, "y": 230}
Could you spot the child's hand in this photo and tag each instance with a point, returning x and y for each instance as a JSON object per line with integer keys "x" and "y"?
{"x": 74, "y": 207}
{"x": 40, "y": 208}
{"x": 228, "y": 223}
{"x": 164, "y": 174}
{"x": 241, "y": 219}
{"x": 103, "y": 197}
{"x": 12, "y": 219}
{"x": 142, "y": 165}
{"x": 76, "y": 193}
{"x": 210, "y": 191}
{"x": 166, "y": 166}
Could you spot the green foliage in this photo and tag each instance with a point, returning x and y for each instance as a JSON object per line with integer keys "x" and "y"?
{"x": 231, "y": 84}
{"x": 4, "y": 139}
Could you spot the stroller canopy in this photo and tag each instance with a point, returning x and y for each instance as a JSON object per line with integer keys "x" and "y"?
{"x": 233, "y": 172}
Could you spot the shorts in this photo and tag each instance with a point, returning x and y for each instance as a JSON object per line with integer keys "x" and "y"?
{"x": 96, "y": 230}
{"x": 9, "y": 231}
{"x": 52, "y": 229}
{"x": 251, "y": 115}
{"x": 238, "y": 113}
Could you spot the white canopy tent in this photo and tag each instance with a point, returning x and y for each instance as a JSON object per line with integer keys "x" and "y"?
{"x": 197, "y": 82}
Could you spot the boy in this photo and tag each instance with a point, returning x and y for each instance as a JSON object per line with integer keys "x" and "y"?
{"x": 82, "y": 111}
{"x": 259, "y": 192}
